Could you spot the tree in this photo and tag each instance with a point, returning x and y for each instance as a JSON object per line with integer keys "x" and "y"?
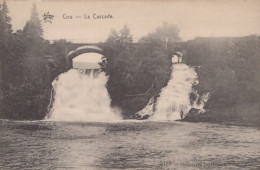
{"x": 119, "y": 41}
{"x": 10, "y": 59}
{"x": 113, "y": 38}
{"x": 167, "y": 34}
{"x": 5, "y": 41}
{"x": 28, "y": 80}
{"x": 33, "y": 29}
{"x": 5, "y": 20}
{"x": 118, "y": 53}
{"x": 116, "y": 44}
{"x": 5, "y": 29}
{"x": 125, "y": 36}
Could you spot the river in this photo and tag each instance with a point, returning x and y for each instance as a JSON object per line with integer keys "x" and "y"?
{"x": 127, "y": 145}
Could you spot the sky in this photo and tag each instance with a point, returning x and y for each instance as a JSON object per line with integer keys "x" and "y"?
{"x": 204, "y": 18}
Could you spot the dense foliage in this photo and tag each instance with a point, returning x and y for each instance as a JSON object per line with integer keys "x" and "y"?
{"x": 137, "y": 71}
{"x": 229, "y": 70}
{"x": 25, "y": 73}
{"x": 10, "y": 62}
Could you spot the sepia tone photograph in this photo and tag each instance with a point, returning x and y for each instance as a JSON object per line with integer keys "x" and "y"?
{"x": 128, "y": 84}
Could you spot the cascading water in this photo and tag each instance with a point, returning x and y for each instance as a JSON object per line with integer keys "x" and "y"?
{"x": 174, "y": 101}
{"x": 79, "y": 96}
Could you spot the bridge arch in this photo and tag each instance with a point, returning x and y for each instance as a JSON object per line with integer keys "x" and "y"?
{"x": 81, "y": 50}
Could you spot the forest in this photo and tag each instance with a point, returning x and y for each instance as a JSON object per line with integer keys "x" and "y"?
{"x": 25, "y": 76}
{"x": 227, "y": 68}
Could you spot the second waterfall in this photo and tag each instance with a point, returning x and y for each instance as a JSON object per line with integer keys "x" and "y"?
{"x": 174, "y": 101}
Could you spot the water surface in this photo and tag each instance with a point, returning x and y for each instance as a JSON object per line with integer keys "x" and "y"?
{"x": 127, "y": 145}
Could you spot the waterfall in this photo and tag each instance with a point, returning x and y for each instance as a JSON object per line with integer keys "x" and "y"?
{"x": 174, "y": 101}
{"x": 81, "y": 95}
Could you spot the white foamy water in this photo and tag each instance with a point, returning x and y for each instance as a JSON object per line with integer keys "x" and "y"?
{"x": 174, "y": 101}
{"x": 81, "y": 97}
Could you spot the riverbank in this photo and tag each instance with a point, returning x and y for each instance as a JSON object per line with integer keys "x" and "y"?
{"x": 242, "y": 115}
{"x": 228, "y": 69}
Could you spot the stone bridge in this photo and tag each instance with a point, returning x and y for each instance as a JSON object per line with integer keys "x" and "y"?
{"x": 77, "y": 49}
{"x": 81, "y": 50}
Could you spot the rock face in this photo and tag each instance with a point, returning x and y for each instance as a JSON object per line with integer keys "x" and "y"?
{"x": 195, "y": 115}
{"x": 193, "y": 112}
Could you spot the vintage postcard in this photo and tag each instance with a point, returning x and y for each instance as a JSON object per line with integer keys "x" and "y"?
{"x": 128, "y": 84}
